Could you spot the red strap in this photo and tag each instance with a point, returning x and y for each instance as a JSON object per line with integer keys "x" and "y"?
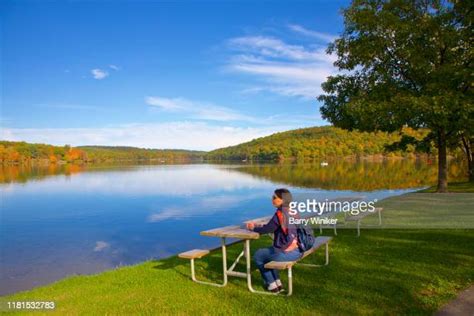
{"x": 282, "y": 221}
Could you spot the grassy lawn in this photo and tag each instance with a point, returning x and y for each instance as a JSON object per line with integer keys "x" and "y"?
{"x": 427, "y": 210}
{"x": 385, "y": 271}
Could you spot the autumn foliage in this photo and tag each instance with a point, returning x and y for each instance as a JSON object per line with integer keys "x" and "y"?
{"x": 22, "y": 152}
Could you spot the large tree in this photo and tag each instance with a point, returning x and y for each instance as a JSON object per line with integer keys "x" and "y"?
{"x": 404, "y": 63}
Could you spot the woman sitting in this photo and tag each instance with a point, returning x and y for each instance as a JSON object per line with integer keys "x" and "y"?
{"x": 285, "y": 241}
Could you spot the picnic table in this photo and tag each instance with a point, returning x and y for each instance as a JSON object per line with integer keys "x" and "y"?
{"x": 246, "y": 236}
{"x": 241, "y": 233}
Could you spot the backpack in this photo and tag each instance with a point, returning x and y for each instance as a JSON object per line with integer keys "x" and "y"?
{"x": 304, "y": 234}
{"x": 305, "y": 238}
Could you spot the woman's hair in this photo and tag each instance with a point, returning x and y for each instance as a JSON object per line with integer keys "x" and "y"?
{"x": 285, "y": 195}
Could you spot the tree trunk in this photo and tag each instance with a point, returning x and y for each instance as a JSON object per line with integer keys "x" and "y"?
{"x": 471, "y": 170}
{"x": 442, "y": 162}
{"x": 468, "y": 145}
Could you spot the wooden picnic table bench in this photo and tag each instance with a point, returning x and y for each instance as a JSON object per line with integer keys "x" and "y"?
{"x": 358, "y": 218}
{"x": 282, "y": 265}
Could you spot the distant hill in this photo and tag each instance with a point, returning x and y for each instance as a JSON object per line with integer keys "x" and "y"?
{"x": 318, "y": 143}
{"x": 114, "y": 153}
{"x": 130, "y": 148}
{"x": 22, "y": 152}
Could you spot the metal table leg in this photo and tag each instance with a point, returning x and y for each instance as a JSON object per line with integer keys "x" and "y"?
{"x": 224, "y": 266}
{"x": 224, "y": 260}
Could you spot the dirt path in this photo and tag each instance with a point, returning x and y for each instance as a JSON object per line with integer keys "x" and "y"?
{"x": 462, "y": 305}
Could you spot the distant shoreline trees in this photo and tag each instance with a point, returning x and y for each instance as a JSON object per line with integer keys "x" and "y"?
{"x": 23, "y": 153}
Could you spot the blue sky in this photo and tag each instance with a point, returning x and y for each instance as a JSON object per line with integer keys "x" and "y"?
{"x": 182, "y": 74}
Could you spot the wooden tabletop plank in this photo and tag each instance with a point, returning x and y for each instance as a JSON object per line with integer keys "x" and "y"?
{"x": 231, "y": 232}
{"x": 259, "y": 221}
{"x": 241, "y": 233}
{"x": 215, "y": 232}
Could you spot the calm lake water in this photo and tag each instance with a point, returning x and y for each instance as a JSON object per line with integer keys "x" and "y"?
{"x": 65, "y": 220}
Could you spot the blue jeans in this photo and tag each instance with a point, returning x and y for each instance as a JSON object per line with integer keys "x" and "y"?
{"x": 265, "y": 255}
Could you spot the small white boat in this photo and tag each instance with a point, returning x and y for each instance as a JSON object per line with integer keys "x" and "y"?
{"x": 324, "y": 164}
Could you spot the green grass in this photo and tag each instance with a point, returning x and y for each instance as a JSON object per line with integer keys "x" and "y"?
{"x": 455, "y": 187}
{"x": 385, "y": 271}
{"x": 427, "y": 211}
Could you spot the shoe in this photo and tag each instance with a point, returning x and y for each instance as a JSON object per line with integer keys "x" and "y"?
{"x": 279, "y": 289}
{"x": 273, "y": 287}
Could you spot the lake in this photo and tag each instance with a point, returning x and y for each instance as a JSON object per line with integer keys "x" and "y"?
{"x": 64, "y": 220}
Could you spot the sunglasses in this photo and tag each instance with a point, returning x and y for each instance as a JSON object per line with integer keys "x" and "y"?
{"x": 274, "y": 197}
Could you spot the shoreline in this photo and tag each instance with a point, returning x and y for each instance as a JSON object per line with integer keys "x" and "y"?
{"x": 369, "y": 158}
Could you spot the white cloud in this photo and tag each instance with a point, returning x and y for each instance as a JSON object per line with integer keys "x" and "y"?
{"x": 272, "y": 47}
{"x": 197, "y": 109}
{"x": 169, "y": 104}
{"x": 205, "y": 206}
{"x": 315, "y": 34}
{"x": 285, "y": 69}
{"x": 114, "y": 67}
{"x": 99, "y": 74}
{"x": 101, "y": 245}
{"x": 167, "y": 213}
{"x": 186, "y": 135}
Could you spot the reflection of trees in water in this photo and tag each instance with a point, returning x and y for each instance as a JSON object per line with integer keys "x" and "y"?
{"x": 24, "y": 173}
{"x": 357, "y": 176}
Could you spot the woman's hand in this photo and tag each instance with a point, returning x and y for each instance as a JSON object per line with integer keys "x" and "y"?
{"x": 250, "y": 226}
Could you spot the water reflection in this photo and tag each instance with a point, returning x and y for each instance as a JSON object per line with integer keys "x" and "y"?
{"x": 82, "y": 220}
{"x": 358, "y": 176}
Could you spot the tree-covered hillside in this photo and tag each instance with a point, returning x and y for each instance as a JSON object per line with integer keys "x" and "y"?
{"x": 22, "y": 152}
{"x": 111, "y": 153}
{"x": 320, "y": 143}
